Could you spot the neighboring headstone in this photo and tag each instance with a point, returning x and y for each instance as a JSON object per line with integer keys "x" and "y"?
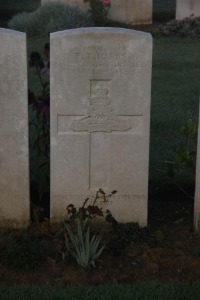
{"x": 131, "y": 11}
{"x": 125, "y": 11}
{"x": 187, "y": 8}
{"x": 14, "y": 163}
{"x": 100, "y": 114}
{"x": 197, "y": 184}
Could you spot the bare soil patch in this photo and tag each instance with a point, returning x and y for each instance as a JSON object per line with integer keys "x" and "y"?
{"x": 170, "y": 256}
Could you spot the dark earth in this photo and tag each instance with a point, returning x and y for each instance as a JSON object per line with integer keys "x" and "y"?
{"x": 171, "y": 253}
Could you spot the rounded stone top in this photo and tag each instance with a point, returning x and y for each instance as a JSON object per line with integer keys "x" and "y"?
{"x": 5, "y": 31}
{"x": 100, "y": 30}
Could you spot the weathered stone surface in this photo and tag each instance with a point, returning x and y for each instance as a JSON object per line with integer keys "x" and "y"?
{"x": 100, "y": 112}
{"x": 187, "y": 8}
{"x": 131, "y": 11}
{"x": 14, "y": 166}
{"x": 197, "y": 185}
{"x": 125, "y": 11}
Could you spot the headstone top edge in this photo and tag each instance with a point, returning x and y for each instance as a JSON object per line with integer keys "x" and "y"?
{"x": 12, "y": 32}
{"x": 88, "y": 30}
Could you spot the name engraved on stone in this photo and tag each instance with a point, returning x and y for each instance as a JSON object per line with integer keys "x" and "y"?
{"x": 100, "y": 116}
{"x": 100, "y": 55}
{"x": 100, "y": 59}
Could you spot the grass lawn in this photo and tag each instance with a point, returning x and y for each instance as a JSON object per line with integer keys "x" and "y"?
{"x": 143, "y": 291}
{"x": 175, "y": 96}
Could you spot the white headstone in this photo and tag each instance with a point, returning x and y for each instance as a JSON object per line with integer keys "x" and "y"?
{"x": 197, "y": 184}
{"x": 100, "y": 114}
{"x": 187, "y": 8}
{"x": 131, "y": 11}
{"x": 14, "y": 163}
{"x": 125, "y": 11}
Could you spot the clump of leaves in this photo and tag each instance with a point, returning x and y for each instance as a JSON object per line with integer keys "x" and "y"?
{"x": 188, "y": 27}
{"x": 131, "y": 232}
{"x": 22, "y": 251}
{"x": 84, "y": 248}
{"x": 128, "y": 234}
{"x": 51, "y": 17}
{"x": 79, "y": 243}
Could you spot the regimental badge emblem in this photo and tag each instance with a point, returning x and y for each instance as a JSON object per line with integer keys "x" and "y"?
{"x": 100, "y": 115}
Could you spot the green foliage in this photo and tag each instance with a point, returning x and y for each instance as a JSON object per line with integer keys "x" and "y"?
{"x": 22, "y": 251}
{"x": 185, "y": 157}
{"x": 137, "y": 291}
{"x": 188, "y": 27}
{"x": 99, "y": 10}
{"x": 175, "y": 99}
{"x": 48, "y": 18}
{"x": 129, "y": 233}
{"x": 78, "y": 242}
{"x": 84, "y": 248}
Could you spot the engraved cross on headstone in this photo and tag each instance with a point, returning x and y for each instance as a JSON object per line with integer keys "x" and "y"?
{"x": 99, "y": 123}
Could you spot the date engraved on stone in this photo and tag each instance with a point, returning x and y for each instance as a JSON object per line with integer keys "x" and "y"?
{"x": 80, "y": 198}
{"x": 100, "y": 115}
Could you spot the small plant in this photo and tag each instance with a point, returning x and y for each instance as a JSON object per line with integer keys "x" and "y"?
{"x": 99, "y": 10}
{"x": 127, "y": 234}
{"x": 22, "y": 251}
{"x": 87, "y": 212}
{"x": 84, "y": 248}
{"x": 79, "y": 243}
{"x": 50, "y": 17}
{"x": 188, "y": 27}
{"x": 131, "y": 232}
{"x": 185, "y": 158}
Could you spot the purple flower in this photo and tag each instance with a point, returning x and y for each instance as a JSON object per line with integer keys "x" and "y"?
{"x": 46, "y": 69}
{"x": 44, "y": 105}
